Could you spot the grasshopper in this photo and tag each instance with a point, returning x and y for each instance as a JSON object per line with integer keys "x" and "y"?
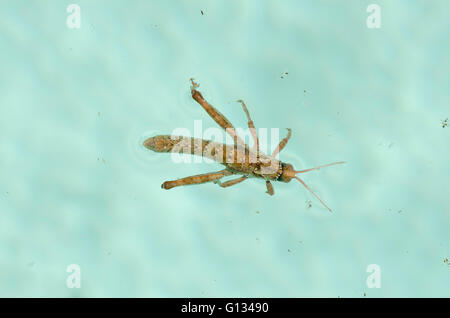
{"x": 238, "y": 159}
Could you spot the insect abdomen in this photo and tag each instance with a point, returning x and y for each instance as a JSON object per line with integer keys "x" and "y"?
{"x": 187, "y": 145}
{"x": 162, "y": 143}
{"x": 218, "y": 152}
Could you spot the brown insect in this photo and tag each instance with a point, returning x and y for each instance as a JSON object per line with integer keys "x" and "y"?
{"x": 238, "y": 158}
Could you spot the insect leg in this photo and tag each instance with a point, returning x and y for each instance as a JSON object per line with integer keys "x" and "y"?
{"x": 269, "y": 188}
{"x": 220, "y": 119}
{"x": 282, "y": 143}
{"x": 252, "y": 128}
{"x": 197, "y": 179}
{"x": 230, "y": 183}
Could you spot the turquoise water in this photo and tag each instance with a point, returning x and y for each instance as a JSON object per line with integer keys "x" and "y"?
{"x": 78, "y": 187}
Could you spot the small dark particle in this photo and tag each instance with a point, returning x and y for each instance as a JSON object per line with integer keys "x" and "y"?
{"x": 446, "y": 261}
{"x": 289, "y": 250}
{"x": 201, "y": 11}
{"x": 308, "y": 204}
{"x": 445, "y": 123}
{"x": 257, "y": 212}
{"x": 399, "y": 211}
{"x": 365, "y": 295}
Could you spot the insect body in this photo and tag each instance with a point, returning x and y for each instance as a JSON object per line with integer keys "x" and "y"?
{"x": 238, "y": 158}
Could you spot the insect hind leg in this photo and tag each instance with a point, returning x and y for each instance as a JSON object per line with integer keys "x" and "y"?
{"x": 197, "y": 179}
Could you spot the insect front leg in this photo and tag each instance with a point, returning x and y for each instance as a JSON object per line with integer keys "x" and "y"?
{"x": 197, "y": 179}
{"x": 269, "y": 188}
{"x": 230, "y": 183}
{"x": 282, "y": 143}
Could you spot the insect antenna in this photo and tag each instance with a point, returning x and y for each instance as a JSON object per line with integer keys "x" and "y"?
{"x": 315, "y": 168}
{"x": 320, "y": 167}
{"x": 312, "y": 192}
